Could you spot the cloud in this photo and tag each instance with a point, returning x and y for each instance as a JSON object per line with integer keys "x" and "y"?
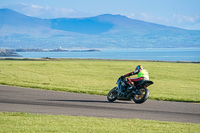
{"x": 182, "y": 21}
{"x": 45, "y": 11}
{"x": 32, "y": 10}
{"x": 184, "y": 18}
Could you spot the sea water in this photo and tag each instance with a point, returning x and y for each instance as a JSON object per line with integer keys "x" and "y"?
{"x": 155, "y": 54}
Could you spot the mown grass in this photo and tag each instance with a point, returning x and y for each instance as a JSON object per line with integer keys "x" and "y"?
{"x": 23, "y": 122}
{"x": 172, "y": 81}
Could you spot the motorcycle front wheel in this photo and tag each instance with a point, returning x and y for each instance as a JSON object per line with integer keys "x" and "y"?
{"x": 112, "y": 95}
{"x": 141, "y": 95}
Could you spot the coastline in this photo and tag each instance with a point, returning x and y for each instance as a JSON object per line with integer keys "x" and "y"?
{"x": 92, "y": 59}
{"x": 5, "y": 53}
{"x": 50, "y": 50}
{"x": 157, "y": 54}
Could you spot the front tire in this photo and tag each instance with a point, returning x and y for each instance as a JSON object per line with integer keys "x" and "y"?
{"x": 141, "y": 96}
{"x": 112, "y": 95}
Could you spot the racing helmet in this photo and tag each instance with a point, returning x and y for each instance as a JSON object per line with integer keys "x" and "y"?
{"x": 139, "y": 67}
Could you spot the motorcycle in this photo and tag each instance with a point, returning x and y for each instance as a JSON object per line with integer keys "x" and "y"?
{"x": 139, "y": 94}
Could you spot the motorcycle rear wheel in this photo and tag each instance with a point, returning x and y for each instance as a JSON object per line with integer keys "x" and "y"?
{"x": 142, "y": 95}
{"x": 112, "y": 95}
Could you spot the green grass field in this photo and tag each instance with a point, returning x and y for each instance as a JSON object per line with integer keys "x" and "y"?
{"x": 23, "y": 122}
{"x": 172, "y": 81}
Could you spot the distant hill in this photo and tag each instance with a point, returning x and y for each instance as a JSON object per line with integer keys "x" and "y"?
{"x": 103, "y": 31}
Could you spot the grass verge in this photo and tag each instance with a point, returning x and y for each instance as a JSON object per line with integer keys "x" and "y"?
{"x": 23, "y": 122}
{"x": 172, "y": 81}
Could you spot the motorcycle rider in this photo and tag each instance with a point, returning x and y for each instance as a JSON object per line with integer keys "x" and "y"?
{"x": 141, "y": 73}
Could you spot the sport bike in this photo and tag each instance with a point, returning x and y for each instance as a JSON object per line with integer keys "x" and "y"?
{"x": 122, "y": 92}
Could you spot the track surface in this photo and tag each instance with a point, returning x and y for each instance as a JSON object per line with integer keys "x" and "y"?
{"x": 17, "y": 99}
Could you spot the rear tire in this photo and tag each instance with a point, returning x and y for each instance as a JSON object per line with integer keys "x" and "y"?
{"x": 112, "y": 95}
{"x": 142, "y": 97}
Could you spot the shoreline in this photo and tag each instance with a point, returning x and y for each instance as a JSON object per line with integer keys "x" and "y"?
{"x": 147, "y": 54}
{"x": 58, "y": 59}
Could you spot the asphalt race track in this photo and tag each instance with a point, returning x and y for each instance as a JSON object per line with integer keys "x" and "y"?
{"x": 17, "y": 99}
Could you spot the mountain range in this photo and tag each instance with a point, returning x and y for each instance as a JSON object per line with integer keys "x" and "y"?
{"x": 103, "y": 31}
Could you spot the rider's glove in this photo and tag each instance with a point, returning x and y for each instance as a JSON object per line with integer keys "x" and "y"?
{"x": 122, "y": 77}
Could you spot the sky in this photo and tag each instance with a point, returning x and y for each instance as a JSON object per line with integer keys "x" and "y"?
{"x": 178, "y": 13}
